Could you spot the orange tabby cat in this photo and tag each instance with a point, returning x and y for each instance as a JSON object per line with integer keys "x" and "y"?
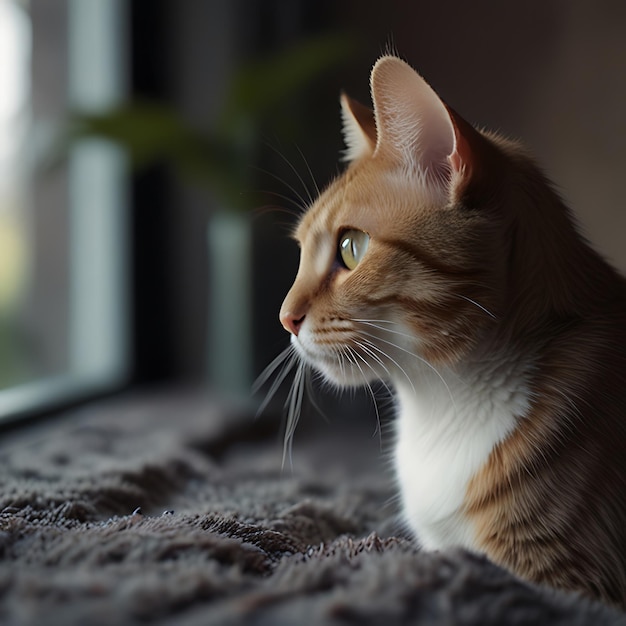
{"x": 443, "y": 263}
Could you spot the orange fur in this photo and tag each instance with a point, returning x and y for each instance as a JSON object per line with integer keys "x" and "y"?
{"x": 474, "y": 258}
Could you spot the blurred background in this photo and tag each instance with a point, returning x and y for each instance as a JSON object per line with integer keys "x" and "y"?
{"x": 153, "y": 154}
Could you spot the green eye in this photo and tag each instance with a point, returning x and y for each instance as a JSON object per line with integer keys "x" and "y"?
{"x": 352, "y": 247}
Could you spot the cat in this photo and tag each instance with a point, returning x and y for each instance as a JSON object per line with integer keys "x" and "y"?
{"x": 443, "y": 263}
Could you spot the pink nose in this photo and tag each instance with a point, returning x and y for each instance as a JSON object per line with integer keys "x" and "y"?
{"x": 292, "y": 322}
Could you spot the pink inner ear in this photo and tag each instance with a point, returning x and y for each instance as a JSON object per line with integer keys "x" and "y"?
{"x": 456, "y": 161}
{"x": 460, "y": 158}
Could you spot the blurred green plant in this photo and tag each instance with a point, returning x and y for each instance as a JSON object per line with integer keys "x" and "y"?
{"x": 218, "y": 158}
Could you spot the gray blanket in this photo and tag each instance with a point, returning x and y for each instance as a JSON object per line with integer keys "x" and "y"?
{"x": 172, "y": 510}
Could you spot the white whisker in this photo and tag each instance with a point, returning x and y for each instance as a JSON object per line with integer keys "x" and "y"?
{"x": 387, "y": 330}
{"x": 480, "y": 306}
{"x": 419, "y": 358}
{"x": 373, "y": 320}
{"x": 271, "y": 368}
{"x": 288, "y": 358}
{"x": 388, "y": 356}
{"x": 302, "y": 203}
{"x": 367, "y": 346}
{"x": 308, "y": 167}
{"x": 308, "y": 381}
{"x": 296, "y": 203}
{"x": 294, "y": 403}
{"x": 294, "y": 169}
{"x": 368, "y": 386}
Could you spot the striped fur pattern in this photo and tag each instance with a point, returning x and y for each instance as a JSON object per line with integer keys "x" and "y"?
{"x": 499, "y": 329}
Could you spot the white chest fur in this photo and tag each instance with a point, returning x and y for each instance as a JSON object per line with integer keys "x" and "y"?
{"x": 446, "y": 429}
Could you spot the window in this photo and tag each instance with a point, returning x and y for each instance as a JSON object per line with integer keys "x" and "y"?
{"x": 63, "y": 241}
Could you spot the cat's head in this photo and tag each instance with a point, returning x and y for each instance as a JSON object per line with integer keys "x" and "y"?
{"x": 399, "y": 263}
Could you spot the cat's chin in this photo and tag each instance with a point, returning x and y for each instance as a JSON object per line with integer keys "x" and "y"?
{"x": 336, "y": 372}
{"x": 342, "y": 377}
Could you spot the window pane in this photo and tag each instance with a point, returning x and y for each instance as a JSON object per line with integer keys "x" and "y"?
{"x": 62, "y": 236}
{"x": 15, "y": 232}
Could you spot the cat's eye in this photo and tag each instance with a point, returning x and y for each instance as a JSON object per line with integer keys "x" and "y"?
{"x": 352, "y": 247}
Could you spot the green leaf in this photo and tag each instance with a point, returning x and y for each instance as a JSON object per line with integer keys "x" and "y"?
{"x": 262, "y": 84}
{"x": 219, "y": 160}
{"x": 147, "y": 130}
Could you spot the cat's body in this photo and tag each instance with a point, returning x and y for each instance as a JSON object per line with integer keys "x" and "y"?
{"x": 443, "y": 263}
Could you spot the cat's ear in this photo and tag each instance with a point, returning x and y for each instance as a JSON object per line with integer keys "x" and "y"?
{"x": 359, "y": 129}
{"x": 414, "y": 126}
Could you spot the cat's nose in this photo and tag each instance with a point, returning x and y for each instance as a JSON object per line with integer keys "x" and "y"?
{"x": 291, "y": 322}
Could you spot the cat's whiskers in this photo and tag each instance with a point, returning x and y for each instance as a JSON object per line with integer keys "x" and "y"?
{"x": 395, "y": 345}
{"x": 308, "y": 167}
{"x": 269, "y": 369}
{"x": 308, "y": 380}
{"x": 387, "y": 330}
{"x": 367, "y": 346}
{"x": 341, "y": 360}
{"x": 295, "y": 203}
{"x": 387, "y": 356}
{"x": 294, "y": 404}
{"x": 301, "y": 203}
{"x": 416, "y": 356}
{"x": 294, "y": 169}
{"x": 480, "y": 306}
{"x": 285, "y": 360}
{"x": 368, "y": 386}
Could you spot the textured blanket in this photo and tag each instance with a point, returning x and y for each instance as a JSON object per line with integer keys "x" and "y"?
{"x": 172, "y": 510}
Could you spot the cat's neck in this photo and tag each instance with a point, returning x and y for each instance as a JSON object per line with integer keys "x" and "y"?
{"x": 483, "y": 386}
{"x": 448, "y": 422}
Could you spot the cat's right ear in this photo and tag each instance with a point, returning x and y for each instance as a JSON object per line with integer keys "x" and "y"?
{"x": 359, "y": 129}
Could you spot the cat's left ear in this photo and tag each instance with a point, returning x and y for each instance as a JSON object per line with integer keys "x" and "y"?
{"x": 359, "y": 129}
